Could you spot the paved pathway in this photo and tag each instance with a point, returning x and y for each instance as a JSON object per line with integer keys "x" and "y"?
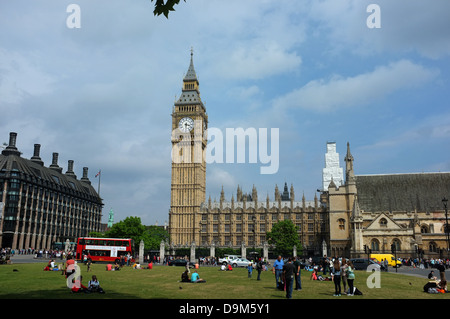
{"x": 407, "y": 270}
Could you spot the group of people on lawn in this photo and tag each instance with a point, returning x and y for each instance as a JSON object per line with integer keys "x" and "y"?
{"x": 76, "y": 285}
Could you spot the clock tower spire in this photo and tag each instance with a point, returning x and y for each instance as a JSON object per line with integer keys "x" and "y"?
{"x": 188, "y": 182}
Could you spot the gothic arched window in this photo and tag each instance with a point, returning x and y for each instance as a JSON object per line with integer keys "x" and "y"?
{"x": 424, "y": 229}
{"x": 432, "y": 247}
{"x": 341, "y": 223}
{"x": 396, "y": 242}
{"x": 375, "y": 245}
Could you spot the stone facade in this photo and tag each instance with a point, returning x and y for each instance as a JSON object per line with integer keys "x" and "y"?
{"x": 361, "y": 211}
{"x": 246, "y": 220}
{"x": 188, "y": 181}
{"x": 377, "y": 211}
{"x": 237, "y": 223}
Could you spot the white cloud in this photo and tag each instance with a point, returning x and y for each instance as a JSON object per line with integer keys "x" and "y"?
{"x": 102, "y": 95}
{"x": 244, "y": 40}
{"x": 339, "y": 92}
{"x": 259, "y": 61}
{"x": 406, "y": 26}
{"x": 218, "y": 177}
{"x": 20, "y": 77}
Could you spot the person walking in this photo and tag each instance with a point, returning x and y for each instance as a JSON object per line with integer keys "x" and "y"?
{"x": 325, "y": 265}
{"x": 250, "y": 270}
{"x": 297, "y": 274}
{"x": 288, "y": 274}
{"x": 440, "y": 266}
{"x": 259, "y": 267}
{"x": 277, "y": 270}
{"x": 336, "y": 272}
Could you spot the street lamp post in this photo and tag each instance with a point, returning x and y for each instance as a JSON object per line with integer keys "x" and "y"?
{"x": 254, "y": 234}
{"x": 445, "y": 201}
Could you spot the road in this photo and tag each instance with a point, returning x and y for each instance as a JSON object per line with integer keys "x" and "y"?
{"x": 407, "y": 270}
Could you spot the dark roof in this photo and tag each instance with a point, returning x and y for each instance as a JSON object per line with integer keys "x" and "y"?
{"x": 403, "y": 192}
{"x": 33, "y": 171}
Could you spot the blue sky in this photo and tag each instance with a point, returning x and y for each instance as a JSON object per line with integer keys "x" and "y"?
{"x": 102, "y": 95}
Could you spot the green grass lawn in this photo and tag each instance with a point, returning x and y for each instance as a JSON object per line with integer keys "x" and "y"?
{"x": 162, "y": 282}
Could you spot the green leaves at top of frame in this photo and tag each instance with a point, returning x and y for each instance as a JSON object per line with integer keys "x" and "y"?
{"x": 164, "y": 7}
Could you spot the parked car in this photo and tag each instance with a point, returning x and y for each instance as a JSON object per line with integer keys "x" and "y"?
{"x": 240, "y": 262}
{"x": 178, "y": 262}
{"x": 363, "y": 263}
{"x": 225, "y": 260}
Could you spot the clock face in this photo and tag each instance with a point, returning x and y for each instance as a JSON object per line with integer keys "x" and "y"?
{"x": 186, "y": 124}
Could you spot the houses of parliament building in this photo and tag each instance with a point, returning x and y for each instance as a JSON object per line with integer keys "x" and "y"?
{"x": 351, "y": 213}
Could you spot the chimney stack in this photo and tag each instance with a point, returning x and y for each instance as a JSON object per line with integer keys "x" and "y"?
{"x": 70, "y": 169}
{"x": 11, "y": 149}
{"x": 54, "y": 164}
{"x": 36, "y": 157}
{"x": 85, "y": 176}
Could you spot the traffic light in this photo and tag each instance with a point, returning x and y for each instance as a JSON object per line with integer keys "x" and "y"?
{"x": 365, "y": 249}
{"x": 393, "y": 248}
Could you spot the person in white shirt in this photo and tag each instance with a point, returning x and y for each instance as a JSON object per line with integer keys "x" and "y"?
{"x": 94, "y": 285}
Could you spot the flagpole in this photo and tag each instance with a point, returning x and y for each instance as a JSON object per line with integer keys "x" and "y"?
{"x": 99, "y": 176}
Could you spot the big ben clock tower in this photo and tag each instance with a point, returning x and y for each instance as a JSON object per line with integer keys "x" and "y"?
{"x": 189, "y": 123}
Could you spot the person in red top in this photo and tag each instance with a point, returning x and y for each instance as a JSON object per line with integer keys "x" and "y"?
{"x": 68, "y": 271}
{"x": 78, "y": 285}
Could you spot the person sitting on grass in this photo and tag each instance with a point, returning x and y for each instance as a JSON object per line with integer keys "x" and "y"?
{"x": 316, "y": 276}
{"x": 442, "y": 286}
{"x": 94, "y": 285}
{"x": 431, "y": 276}
{"x": 136, "y": 266}
{"x": 196, "y": 278}
{"x": 77, "y": 285}
{"x": 185, "y": 276}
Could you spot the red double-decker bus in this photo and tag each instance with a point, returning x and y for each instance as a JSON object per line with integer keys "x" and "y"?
{"x": 104, "y": 249}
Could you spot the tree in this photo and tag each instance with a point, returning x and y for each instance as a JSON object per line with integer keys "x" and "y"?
{"x": 130, "y": 227}
{"x": 164, "y": 8}
{"x": 284, "y": 236}
{"x": 97, "y": 234}
{"x": 155, "y": 234}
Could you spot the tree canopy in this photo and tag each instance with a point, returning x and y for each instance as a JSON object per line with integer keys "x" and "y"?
{"x": 131, "y": 227}
{"x": 284, "y": 236}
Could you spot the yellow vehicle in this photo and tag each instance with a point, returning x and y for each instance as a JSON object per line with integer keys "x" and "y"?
{"x": 390, "y": 258}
